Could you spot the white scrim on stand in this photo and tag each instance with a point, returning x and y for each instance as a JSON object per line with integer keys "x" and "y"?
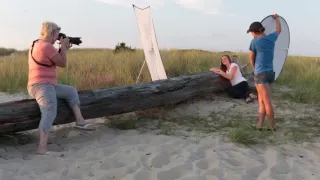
{"x": 149, "y": 43}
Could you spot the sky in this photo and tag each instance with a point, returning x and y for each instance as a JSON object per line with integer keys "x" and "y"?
{"x": 215, "y": 25}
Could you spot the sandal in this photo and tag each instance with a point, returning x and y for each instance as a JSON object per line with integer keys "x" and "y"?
{"x": 251, "y": 95}
{"x": 249, "y": 99}
{"x": 43, "y": 153}
{"x": 84, "y": 127}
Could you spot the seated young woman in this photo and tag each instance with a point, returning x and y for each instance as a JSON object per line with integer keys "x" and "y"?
{"x": 231, "y": 71}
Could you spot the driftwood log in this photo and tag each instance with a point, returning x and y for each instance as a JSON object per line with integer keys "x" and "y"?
{"x": 25, "y": 114}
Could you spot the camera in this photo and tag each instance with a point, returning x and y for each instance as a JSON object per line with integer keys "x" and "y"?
{"x": 72, "y": 40}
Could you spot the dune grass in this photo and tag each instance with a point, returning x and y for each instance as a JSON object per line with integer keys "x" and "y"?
{"x": 302, "y": 74}
{"x": 101, "y": 68}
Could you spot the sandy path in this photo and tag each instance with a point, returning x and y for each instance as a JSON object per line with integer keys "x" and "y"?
{"x": 131, "y": 155}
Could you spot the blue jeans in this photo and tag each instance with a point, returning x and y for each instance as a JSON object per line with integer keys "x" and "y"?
{"x": 46, "y": 96}
{"x": 264, "y": 77}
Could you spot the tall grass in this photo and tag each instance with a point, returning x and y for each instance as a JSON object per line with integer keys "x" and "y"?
{"x": 99, "y": 68}
{"x": 303, "y": 75}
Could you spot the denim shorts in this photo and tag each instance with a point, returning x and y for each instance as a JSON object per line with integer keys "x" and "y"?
{"x": 264, "y": 77}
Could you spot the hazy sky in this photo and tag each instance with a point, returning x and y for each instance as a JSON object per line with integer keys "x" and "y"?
{"x": 200, "y": 24}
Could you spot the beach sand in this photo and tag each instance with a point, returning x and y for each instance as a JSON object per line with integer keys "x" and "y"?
{"x": 114, "y": 154}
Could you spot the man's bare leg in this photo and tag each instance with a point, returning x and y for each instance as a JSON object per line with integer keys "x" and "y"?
{"x": 268, "y": 105}
{"x": 262, "y": 111}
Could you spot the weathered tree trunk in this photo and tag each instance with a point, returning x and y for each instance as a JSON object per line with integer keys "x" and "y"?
{"x": 25, "y": 114}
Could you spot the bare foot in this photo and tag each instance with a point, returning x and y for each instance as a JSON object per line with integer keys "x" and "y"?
{"x": 42, "y": 151}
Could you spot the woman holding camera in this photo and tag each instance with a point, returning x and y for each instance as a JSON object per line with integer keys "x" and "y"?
{"x": 42, "y": 81}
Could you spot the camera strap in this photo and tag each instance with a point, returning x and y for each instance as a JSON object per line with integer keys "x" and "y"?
{"x": 41, "y": 64}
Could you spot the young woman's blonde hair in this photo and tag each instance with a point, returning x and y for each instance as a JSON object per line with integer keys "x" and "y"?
{"x": 47, "y": 29}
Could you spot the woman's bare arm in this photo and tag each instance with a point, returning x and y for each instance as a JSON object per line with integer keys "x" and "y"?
{"x": 278, "y": 25}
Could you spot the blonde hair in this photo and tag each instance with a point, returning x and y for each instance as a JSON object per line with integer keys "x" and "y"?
{"x": 47, "y": 29}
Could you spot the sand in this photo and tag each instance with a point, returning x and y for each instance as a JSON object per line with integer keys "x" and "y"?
{"x": 113, "y": 154}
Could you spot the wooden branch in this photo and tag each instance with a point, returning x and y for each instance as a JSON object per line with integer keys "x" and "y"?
{"x": 25, "y": 114}
{"x": 244, "y": 66}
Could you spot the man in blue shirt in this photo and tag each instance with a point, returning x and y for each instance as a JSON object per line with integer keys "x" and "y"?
{"x": 261, "y": 60}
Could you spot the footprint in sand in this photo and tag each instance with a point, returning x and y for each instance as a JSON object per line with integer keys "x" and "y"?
{"x": 214, "y": 172}
{"x": 142, "y": 175}
{"x": 109, "y": 151}
{"x": 77, "y": 171}
{"x": 233, "y": 176}
{"x": 276, "y": 164}
{"x": 202, "y": 164}
{"x": 280, "y": 168}
{"x": 132, "y": 169}
{"x": 160, "y": 160}
{"x": 112, "y": 174}
{"x": 233, "y": 163}
{"x": 248, "y": 177}
{"x": 175, "y": 172}
{"x": 111, "y": 164}
{"x": 299, "y": 177}
{"x": 195, "y": 178}
{"x": 278, "y": 176}
{"x": 6, "y": 175}
{"x": 194, "y": 156}
{"x": 255, "y": 171}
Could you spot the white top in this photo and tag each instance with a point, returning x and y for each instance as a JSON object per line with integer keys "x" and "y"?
{"x": 237, "y": 78}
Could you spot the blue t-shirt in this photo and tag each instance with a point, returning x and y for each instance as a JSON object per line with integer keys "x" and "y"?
{"x": 263, "y": 47}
